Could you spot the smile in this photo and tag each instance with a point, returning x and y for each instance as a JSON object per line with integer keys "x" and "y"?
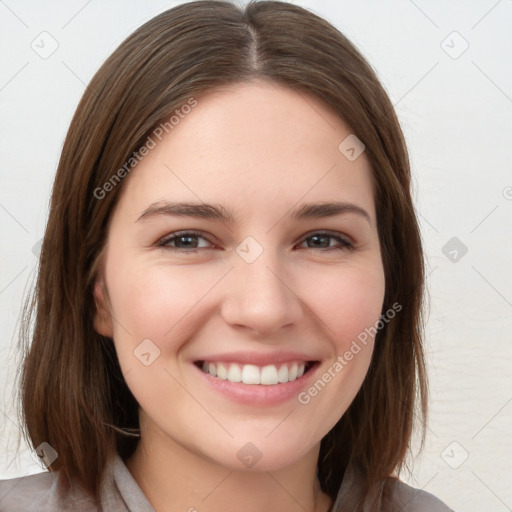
{"x": 268, "y": 375}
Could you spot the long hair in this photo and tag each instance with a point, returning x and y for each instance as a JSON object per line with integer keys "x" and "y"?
{"x": 72, "y": 391}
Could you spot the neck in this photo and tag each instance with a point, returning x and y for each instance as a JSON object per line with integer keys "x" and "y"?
{"x": 176, "y": 479}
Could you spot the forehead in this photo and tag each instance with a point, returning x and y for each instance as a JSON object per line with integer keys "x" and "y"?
{"x": 253, "y": 144}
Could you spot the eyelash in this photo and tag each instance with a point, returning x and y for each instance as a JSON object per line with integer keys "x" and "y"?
{"x": 344, "y": 243}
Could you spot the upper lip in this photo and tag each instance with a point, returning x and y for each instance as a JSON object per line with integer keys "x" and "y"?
{"x": 258, "y": 359}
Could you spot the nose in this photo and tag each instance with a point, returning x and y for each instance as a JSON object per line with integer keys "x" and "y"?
{"x": 260, "y": 297}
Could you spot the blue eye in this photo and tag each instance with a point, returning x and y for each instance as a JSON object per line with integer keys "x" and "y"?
{"x": 189, "y": 241}
{"x": 186, "y": 240}
{"x": 321, "y": 240}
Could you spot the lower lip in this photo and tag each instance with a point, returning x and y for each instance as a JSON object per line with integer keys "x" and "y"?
{"x": 259, "y": 394}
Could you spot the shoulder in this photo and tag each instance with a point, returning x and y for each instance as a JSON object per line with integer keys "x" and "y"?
{"x": 405, "y": 498}
{"x": 387, "y": 495}
{"x": 41, "y": 492}
{"x": 25, "y": 493}
{"x": 51, "y": 492}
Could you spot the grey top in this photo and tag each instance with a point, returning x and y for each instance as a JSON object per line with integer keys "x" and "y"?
{"x": 46, "y": 492}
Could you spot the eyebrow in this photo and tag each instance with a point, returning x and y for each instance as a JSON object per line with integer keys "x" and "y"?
{"x": 218, "y": 212}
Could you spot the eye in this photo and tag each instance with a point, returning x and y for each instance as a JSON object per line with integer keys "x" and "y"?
{"x": 185, "y": 241}
{"x": 191, "y": 241}
{"x": 322, "y": 240}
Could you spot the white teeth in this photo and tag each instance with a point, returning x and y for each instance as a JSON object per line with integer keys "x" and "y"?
{"x": 252, "y": 374}
{"x": 222, "y": 371}
{"x": 234, "y": 373}
{"x": 292, "y": 372}
{"x": 269, "y": 375}
{"x": 282, "y": 376}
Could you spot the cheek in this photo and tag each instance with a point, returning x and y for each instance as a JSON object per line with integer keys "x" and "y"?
{"x": 155, "y": 308}
{"x": 348, "y": 301}
{"x": 156, "y": 301}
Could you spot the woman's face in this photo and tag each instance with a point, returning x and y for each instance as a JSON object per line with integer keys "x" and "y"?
{"x": 261, "y": 285}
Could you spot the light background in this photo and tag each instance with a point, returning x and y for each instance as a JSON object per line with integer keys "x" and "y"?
{"x": 455, "y": 108}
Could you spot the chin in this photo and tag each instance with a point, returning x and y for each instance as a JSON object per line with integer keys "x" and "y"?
{"x": 260, "y": 454}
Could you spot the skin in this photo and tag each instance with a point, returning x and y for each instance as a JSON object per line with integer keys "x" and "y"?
{"x": 260, "y": 150}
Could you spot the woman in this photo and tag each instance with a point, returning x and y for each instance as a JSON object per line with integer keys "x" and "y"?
{"x": 227, "y": 312}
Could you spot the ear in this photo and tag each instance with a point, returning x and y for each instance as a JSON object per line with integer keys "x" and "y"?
{"x": 102, "y": 317}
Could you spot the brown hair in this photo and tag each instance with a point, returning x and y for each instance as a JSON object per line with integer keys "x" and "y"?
{"x": 72, "y": 387}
